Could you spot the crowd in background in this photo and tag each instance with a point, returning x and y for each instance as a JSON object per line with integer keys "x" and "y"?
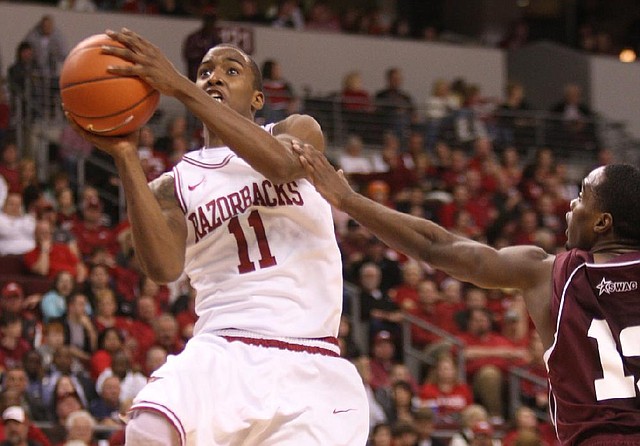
{"x": 395, "y": 18}
{"x": 82, "y": 327}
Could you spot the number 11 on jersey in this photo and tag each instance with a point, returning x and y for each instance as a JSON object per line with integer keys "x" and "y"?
{"x": 266, "y": 260}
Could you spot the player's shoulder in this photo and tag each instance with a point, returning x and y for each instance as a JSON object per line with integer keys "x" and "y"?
{"x": 294, "y": 122}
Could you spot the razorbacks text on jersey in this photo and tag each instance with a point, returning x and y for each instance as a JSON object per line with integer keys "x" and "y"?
{"x": 262, "y": 257}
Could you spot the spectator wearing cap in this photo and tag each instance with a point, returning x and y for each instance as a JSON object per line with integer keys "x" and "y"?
{"x": 48, "y": 258}
{"x": 14, "y": 303}
{"x": 12, "y": 345}
{"x": 16, "y": 227}
{"x": 91, "y": 233}
{"x": 474, "y": 421}
{"x": 382, "y": 359}
{"x": 16, "y": 428}
{"x": 482, "y": 434}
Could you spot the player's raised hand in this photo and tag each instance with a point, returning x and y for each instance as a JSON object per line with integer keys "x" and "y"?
{"x": 331, "y": 184}
{"x": 149, "y": 63}
{"x": 113, "y": 145}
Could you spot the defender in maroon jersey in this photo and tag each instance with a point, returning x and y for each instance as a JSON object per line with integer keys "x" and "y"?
{"x": 584, "y": 302}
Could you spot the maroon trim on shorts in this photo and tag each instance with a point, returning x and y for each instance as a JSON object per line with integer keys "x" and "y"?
{"x": 282, "y": 345}
{"x": 159, "y": 409}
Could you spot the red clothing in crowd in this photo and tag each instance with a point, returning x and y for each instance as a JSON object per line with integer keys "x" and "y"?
{"x": 34, "y": 433}
{"x": 145, "y": 337}
{"x": 12, "y": 177}
{"x": 488, "y": 340}
{"x": 356, "y": 100}
{"x": 440, "y": 316}
{"x": 61, "y": 258}
{"x": 545, "y": 431}
{"x": 278, "y": 93}
{"x": 90, "y": 238}
{"x": 100, "y": 360}
{"x": 449, "y": 403}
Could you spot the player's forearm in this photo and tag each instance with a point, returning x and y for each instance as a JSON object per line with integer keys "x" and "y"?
{"x": 153, "y": 239}
{"x": 257, "y": 147}
{"x": 406, "y": 233}
{"x": 418, "y": 238}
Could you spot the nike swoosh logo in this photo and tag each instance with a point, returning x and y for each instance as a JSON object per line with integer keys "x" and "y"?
{"x": 335, "y": 411}
{"x": 196, "y": 185}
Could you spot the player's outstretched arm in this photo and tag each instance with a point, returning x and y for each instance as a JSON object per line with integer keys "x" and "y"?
{"x": 157, "y": 223}
{"x": 521, "y": 267}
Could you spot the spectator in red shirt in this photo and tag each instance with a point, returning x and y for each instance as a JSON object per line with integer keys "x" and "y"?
{"x": 48, "y": 258}
{"x": 405, "y": 295}
{"x": 142, "y": 327}
{"x": 430, "y": 310}
{"x": 105, "y": 315}
{"x": 280, "y": 99}
{"x": 91, "y": 233}
{"x": 444, "y": 392}
{"x": 14, "y": 303}
{"x": 382, "y": 359}
{"x": 489, "y": 356}
{"x": 110, "y": 340}
{"x": 353, "y": 96}
{"x": 462, "y": 200}
{"x": 12, "y": 345}
{"x": 9, "y": 166}
{"x": 526, "y": 421}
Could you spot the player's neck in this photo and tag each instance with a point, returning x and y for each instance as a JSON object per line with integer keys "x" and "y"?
{"x": 609, "y": 249}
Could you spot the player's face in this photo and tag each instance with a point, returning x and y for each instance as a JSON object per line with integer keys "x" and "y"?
{"x": 583, "y": 214}
{"x": 225, "y": 74}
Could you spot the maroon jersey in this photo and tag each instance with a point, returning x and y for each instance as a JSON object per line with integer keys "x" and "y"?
{"x": 594, "y": 362}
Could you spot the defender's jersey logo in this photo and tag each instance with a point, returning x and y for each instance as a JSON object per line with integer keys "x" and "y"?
{"x": 607, "y": 286}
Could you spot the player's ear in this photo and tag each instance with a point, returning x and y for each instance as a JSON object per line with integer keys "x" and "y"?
{"x": 603, "y": 223}
{"x": 258, "y": 100}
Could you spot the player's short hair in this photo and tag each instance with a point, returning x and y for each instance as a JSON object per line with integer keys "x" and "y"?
{"x": 618, "y": 194}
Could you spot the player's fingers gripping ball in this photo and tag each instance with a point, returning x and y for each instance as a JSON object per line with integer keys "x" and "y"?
{"x": 101, "y": 102}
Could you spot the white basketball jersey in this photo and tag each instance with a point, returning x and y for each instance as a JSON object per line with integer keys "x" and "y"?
{"x": 261, "y": 256}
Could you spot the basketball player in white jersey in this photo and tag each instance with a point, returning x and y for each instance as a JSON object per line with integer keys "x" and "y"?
{"x": 257, "y": 242}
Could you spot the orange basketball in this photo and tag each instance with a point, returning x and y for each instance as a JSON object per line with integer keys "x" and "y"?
{"x": 101, "y": 102}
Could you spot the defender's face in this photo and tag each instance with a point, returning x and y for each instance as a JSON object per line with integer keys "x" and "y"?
{"x": 583, "y": 214}
{"x": 225, "y": 74}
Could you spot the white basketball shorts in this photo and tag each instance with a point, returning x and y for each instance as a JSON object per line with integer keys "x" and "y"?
{"x": 223, "y": 391}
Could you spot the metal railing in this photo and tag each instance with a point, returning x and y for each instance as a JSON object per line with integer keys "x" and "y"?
{"x": 415, "y": 358}
{"x": 37, "y": 119}
{"x": 516, "y": 376}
